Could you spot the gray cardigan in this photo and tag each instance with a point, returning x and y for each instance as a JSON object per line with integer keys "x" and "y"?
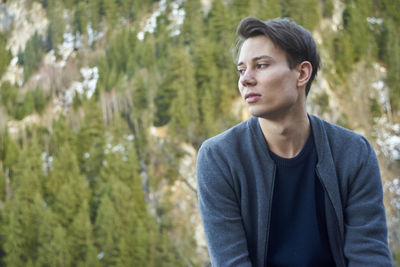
{"x": 235, "y": 176}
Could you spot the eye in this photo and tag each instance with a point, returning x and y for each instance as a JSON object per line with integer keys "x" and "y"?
{"x": 262, "y": 65}
{"x": 241, "y": 71}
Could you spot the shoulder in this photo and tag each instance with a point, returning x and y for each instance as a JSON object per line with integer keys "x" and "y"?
{"x": 341, "y": 140}
{"x": 228, "y": 139}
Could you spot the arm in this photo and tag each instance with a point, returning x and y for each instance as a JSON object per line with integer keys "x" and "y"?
{"x": 364, "y": 215}
{"x": 220, "y": 212}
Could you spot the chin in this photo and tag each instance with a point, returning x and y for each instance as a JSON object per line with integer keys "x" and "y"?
{"x": 258, "y": 112}
{"x": 264, "y": 113}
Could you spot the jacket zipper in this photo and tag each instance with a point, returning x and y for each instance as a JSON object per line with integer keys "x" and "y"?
{"x": 269, "y": 216}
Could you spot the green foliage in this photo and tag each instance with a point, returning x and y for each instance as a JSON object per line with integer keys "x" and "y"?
{"x": 94, "y": 15}
{"x": 322, "y": 100}
{"x": 109, "y": 8}
{"x": 32, "y": 55}
{"x": 220, "y": 29}
{"x": 8, "y": 95}
{"x": 269, "y": 9}
{"x": 39, "y": 100}
{"x": 356, "y": 26}
{"x": 80, "y": 239}
{"x": 23, "y": 214}
{"x": 184, "y": 110}
{"x": 343, "y": 51}
{"x": 375, "y": 108}
{"x": 5, "y": 55}
{"x": 91, "y": 141}
{"x": 304, "y": 12}
{"x": 55, "y": 32}
{"x": 193, "y": 28}
{"x": 114, "y": 66}
{"x": 20, "y": 105}
{"x": 9, "y": 151}
{"x": 327, "y": 8}
{"x": 80, "y": 18}
{"x": 54, "y": 250}
{"x": 392, "y": 56}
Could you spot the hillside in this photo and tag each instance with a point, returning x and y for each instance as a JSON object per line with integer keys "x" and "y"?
{"x": 104, "y": 104}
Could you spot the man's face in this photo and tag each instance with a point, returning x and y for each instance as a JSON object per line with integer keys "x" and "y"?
{"x": 266, "y": 82}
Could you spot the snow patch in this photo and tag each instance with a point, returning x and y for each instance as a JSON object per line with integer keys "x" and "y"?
{"x": 85, "y": 88}
{"x": 47, "y": 162}
{"x": 177, "y": 17}
{"x": 373, "y": 20}
{"x": 338, "y": 8}
{"x": 93, "y": 35}
{"x": 119, "y": 148}
{"x": 392, "y": 188}
{"x": 90, "y": 78}
{"x": 151, "y": 23}
{"x": 66, "y": 48}
{"x": 388, "y": 138}
{"x": 381, "y": 88}
{"x": 129, "y": 137}
{"x": 14, "y": 73}
{"x": 24, "y": 24}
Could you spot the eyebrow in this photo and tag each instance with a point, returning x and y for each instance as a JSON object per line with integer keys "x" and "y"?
{"x": 255, "y": 59}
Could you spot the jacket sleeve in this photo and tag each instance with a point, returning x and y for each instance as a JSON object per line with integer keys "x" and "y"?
{"x": 220, "y": 212}
{"x": 364, "y": 215}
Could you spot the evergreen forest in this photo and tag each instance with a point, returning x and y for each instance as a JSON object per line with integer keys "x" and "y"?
{"x": 90, "y": 172}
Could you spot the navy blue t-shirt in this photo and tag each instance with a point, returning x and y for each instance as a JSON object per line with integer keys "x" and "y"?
{"x": 298, "y": 235}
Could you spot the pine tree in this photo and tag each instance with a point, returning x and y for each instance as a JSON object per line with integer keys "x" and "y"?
{"x": 241, "y": 9}
{"x": 53, "y": 250}
{"x": 356, "y": 28}
{"x": 303, "y": 12}
{"x": 393, "y": 62}
{"x": 269, "y": 9}
{"x": 184, "y": 110}
{"x": 55, "y": 33}
{"x": 80, "y": 239}
{"x": 10, "y": 152}
{"x": 94, "y": 13}
{"x": 110, "y": 9}
{"x": 66, "y": 187}
{"x": 220, "y": 28}
{"x": 80, "y": 18}
{"x": 5, "y": 55}
{"x": 25, "y": 209}
{"x": 127, "y": 8}
{"x": 107, "y": 241}
{"x": 91, "y": 141}
{"x": 32, "y": 55}
{"x": 206, "y": 74}
{"x": 193, "y": 25}
{"x": 23, "y": 218}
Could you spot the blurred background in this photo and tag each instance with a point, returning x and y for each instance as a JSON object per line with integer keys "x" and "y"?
{"x": 104, "y": 104}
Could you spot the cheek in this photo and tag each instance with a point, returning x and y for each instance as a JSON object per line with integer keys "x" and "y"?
{"x": 240, "y": 87}
{"x": 282, "y": 80}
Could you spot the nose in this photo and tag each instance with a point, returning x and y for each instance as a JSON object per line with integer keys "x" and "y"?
{"x": 247, "y": 79}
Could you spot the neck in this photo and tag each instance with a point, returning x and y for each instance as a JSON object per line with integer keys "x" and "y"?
{"x": 287, "y": 135}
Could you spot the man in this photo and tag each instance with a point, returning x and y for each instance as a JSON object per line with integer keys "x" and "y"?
{"x": 285, "y": 188}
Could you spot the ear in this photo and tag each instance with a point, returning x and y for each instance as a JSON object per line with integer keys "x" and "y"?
{"x": 305, "y": 71}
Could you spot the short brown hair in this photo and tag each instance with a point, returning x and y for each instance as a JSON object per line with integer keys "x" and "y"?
{"x": 296, "y": 41}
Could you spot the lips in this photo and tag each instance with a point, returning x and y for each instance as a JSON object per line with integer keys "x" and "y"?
{"x": 252, "y": 97}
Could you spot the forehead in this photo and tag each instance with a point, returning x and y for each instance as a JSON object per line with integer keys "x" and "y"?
{"x": 258, "y": 46}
